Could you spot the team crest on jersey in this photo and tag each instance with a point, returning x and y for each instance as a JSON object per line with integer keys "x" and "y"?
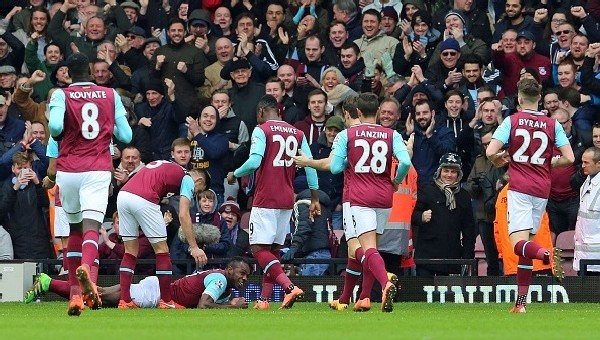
{"x": 542, "y": 71}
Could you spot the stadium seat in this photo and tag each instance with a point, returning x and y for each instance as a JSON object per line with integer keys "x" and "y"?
{"x": 245, "y": 221}
{"x": 480, "y": 256}
{"x": 566, "y": 242}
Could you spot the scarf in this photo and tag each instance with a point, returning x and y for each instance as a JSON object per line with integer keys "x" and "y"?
{"x": 355, "y": 69}
{"x": 449, "y": 190}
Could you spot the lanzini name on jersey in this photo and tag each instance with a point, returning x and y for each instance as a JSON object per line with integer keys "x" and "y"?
{"x": 371, "y": 134}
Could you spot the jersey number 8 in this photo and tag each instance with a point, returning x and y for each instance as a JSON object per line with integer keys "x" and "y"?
{"x": 90, "y": 127}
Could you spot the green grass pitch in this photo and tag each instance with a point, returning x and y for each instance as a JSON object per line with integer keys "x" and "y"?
{"x": 312, "y": 321}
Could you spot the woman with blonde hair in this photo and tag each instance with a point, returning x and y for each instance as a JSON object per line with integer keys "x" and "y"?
{"x": 333, "y": 83}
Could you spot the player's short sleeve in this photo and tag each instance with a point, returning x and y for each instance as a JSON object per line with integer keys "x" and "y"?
{"x": 119, "y": 107}
{"x": 339, "y": 150}
{"x": 52, "y": 149}
{"x": 187, "y": 187}
{"x": 258, "y": 142}
{"x": 561, "y": 138}
{"x": 215, "y": 285}
{"x": 502, "y": 133}
{"x": 56, "y": 108}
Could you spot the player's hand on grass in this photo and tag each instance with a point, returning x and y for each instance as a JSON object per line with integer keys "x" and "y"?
{"x": 239, "y": 302}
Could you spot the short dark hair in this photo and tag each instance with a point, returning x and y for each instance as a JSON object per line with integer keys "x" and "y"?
{"x": 267, "y": 103}
{"x": 349, "y": 104}
{"x": 423, "y": 102}
{"x": 242, "y": 16}
{"x": 374, "y": 12}
{"x": 316, "y": 92}
{"x": 237, "y": 261}
{"x": 368, "y": 104}
{"x": 529, "y": 89}
{"x": 275, "y": 79}
{"x": 52, "y": 43}
{"x": 570, "y": 95}
{"x": 175, "y": 21}
{"x": 473, "y": 59}
{"x": 350, "y": 45}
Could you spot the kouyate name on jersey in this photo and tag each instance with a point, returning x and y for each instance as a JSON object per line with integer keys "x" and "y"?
{"x": 87, "y": 95}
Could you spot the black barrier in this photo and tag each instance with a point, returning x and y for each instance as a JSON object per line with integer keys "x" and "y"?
{"x": 431, "y": 290}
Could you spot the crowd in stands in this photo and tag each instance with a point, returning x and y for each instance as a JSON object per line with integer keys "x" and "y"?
{"x": 445, "y": 72}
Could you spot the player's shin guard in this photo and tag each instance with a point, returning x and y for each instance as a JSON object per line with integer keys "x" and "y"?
{"x": 269, "y": 263}
{"x": 266, "y": 289}
{"x": 353, "y": 272}
{"x": 375, "y": 264}
{"x": 164, "y": 273}
{"x": 89, "y": 248}
{"x": 94, "y": 270}
{"x": 524, "y": 275}
{"x": 532, "y": 250}
{"x": 126, "y": 275}
{"x": 73, "y": 255}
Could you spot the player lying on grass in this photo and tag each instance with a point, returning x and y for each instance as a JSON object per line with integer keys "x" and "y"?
{"x": 205, "y": 289}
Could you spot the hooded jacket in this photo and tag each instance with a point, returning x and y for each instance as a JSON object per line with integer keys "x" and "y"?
{"x": 310, "y": 236}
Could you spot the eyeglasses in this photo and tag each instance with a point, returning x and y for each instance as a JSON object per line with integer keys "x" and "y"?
{"x": 564, "y": 32}
{"x": 452, "y": 54}
{"x": 565, "y": 122}
{"x": 130, "y": 36}
{"x": 558, "y": 21}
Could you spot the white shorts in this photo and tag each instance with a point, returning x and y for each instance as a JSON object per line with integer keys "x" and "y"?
{"x": 61, "y": 222}
{"x": 146, "y": 293}
{"x": 269, "y": 226}
{"x": 84, "y": 194}
{"x": 369, "y": 219}
{"x": 134, "y": 212}
{"x": 349, "y": 228}
{"x": 524, "y": 212}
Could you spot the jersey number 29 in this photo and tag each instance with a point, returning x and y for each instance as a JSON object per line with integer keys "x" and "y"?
{"x": 287, "y": 147}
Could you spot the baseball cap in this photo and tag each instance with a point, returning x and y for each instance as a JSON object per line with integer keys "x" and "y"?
{"x": 131, "y": 4}
{"x": 5, "y": 69}
{"x": 137, "y": 30}
{"x": 2, "y": 100}
{"x": 531, "y": 71}
{"x": 335, "y": 122}
{"x": 526, "y": 34}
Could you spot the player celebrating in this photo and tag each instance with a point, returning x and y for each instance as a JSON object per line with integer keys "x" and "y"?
{"x": 355, "y": 252}
{"x": 530, "y": 136}
{"x": 85, "y": 116}
{"x": 204, "y": 289}
{"x": 138, "y": 205}
{"x": 368, "y": 148}
{"x": 273, "y": 143}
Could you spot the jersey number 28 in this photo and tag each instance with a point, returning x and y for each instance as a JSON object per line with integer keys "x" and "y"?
{"x": 378, "y": 152}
